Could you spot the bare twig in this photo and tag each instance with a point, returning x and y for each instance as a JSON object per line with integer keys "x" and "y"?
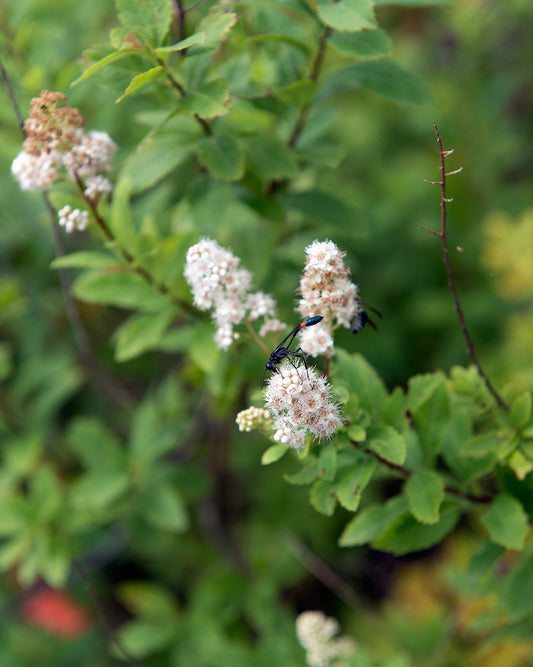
{"x": 449, "y": 272}
{"x": 406, "y": 474}
{"x": 179, "y": 18}
{"x": 299, "y": 126}
{"x": 12, "y": 98}
{"x": 320, "y": 570}
{"x": 110, "y": 632}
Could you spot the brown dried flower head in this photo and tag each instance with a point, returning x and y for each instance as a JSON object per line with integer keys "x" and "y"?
{"x": 51, "y": 127}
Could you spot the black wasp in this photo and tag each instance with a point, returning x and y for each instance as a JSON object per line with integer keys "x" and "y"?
{"x": 282, "y": 351}
{"x": 362, "y": 318}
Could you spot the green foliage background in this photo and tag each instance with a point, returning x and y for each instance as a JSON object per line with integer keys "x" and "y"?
{"x": 135, "y": 466}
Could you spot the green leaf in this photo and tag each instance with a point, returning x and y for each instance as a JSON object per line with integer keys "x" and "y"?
{"x": 347, "y": 15}
{"x": 84, "y": 259}
{"x": 95, "y": 445}
{"x": 407, "y": 535}
{"x": 142, "y": 638}
{"x": 151, "y": 436}
{"x": 321, "y": 207}
{"x": 222, "y": 156}
{"x": 217, "y": 25}
{"x": 193, "y": 40}
{"x": 161, "y": 505}
{"x": 153, "y": 16}
{"x": 269, "y": 157}
{"x": 120, "y": 218}
{"x": 429, "y": 405}
{"x": 506, "y": 521}
{"x": 323, "y": 497}
{"x": 363, "y": 44}
{"x": 361, "y": 379}
{"x": 425, "y": 493}
{"x": 160, "y": 152}
{"x": 520, "y": 414}
{"x": 388, "y": 443}
{"x": 515, "y": 598}
{"x": 305, "y": 475}
{"x": 142, "y": 79}
{"x": 384, "y": 77}
{"x": 327, "y": 462}
{"x": 373, "y": 521}
{"x": 521, "y": 465}
{"x": 210, "y": 100}
{"x": 111, "y": 58}
{"x": 142, "y": 332}
{"x": 353, "y": 482}
{"x": 119, "y": 288}
{"x": 98, "y": 490}
{"x": 480, "y": 445}
{"x": 273, "y": 454}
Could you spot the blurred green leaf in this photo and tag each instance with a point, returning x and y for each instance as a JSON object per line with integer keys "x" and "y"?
{"x": 347, "y": 15}
{"x": 520, "y": 414}
{"x": 222, "y": 155}
{"x": 388, "y": 443}
{"x": 506, "y": 521}
{"x": 119, "y": 288}
{"x": 384, "y": 77}
{"x": 373, "y": 521}
{"x": 269, "y": 157}
{"x": 323, "y": 497}
{"x": 425, "y": 493}
{"x": 363, "y": 44}
{"x": 141, "y": 333}
{"x": 162, "y": 506}
{"x": 353, "y": 482}
{"x": 273, "y": 454}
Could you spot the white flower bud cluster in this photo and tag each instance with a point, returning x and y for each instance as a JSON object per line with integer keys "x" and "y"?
{"x": 218, "y": 284}
{"x": 253, "y": 418}
{"x": 72, "y": 219}
{"x": 316, "y": 633}
{"x": 326, "y": 288}
{"x": 300, "y": 402}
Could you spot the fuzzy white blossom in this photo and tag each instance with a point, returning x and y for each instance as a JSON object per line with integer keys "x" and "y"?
{"x": 316, "y": 633}
{"x": 219, "y": 284}
{"x": 91, "y": 154}
{"x": 73, "y": 219}
{"x": 55, "y": 141}
{"x": 326, "y": 288}
{"x": 36, "y": 172}
{"x": 96, "y": 185}
{"x": 300, "y": 401}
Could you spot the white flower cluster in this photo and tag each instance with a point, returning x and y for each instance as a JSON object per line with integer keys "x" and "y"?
{"x": 253, "y": 418}
{"x": 326, "y": 288}
{"x": 72, "y": 219}
{"x": 300, "y": 402}
{"x": 316, "y": 633}
{"x": 218, "y": 284}
{"x": 55, "y": 140}
{"x": 36, "y": 172}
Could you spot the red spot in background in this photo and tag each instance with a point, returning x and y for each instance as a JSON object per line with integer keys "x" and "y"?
{"x": 57, "y": 613}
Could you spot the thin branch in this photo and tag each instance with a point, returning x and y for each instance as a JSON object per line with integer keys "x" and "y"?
{"x": 320, "y": 570}
{"x": 299, "y": 126}
{"x": 179, "y": 18}
{"x": 449, "y": 272}
{"x": 110, "y": 632}
{"x": 127, "y": 256}
{"x": 12, "y": 98}
{"x": 406, "y": 474}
